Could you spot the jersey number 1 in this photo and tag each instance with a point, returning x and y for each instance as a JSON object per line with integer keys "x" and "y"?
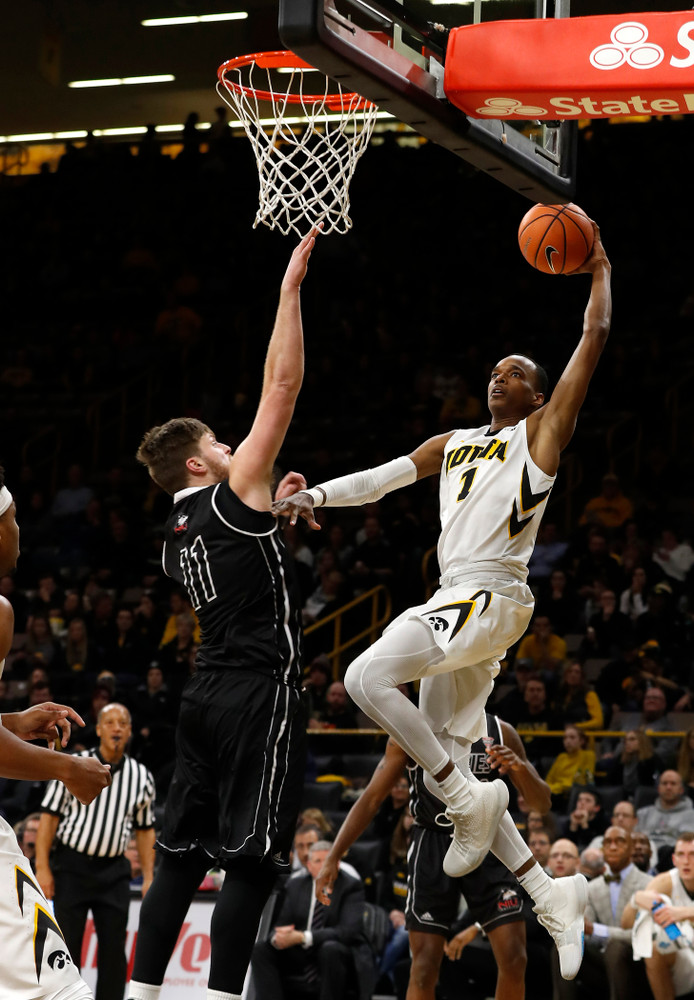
{"x": 196, "y": 573}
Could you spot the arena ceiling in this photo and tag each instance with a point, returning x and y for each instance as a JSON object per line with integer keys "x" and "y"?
{"x": 44, "y": 44}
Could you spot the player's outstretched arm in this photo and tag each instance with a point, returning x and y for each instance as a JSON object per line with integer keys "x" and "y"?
{"x": 366, "y": 486}
{"x": 360, "y": 815}
{"x": 47, "y": 721}
{"x": 250, "y": 474}
{"x": 550, "y": 428}
{"x": 512, "y": 759}
{"x": 83, "y": 776}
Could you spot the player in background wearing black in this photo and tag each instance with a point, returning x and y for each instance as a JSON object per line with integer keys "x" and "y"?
{"x": 35, "y": 959}
{"x": 240, "y": 753}
{"x": 433, "y": 898}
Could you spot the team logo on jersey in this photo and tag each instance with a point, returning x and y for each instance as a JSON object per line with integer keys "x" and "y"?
{"x": 42, "y": 920}
{"x": 59, "y": 960}
{"x": 463, "y": 610}
{"x": 509, "y": 901}
{"x": 181, "y": 525}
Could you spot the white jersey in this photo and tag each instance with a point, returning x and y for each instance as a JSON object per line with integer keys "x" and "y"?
{"x": 492, "y": 498}
{"x": 36, "y": 964}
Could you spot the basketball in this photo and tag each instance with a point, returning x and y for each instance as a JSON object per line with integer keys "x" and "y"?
{"x": 555, "y": 239}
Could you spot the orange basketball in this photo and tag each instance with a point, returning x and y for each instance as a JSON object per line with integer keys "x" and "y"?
{"x": 555, "y": 239}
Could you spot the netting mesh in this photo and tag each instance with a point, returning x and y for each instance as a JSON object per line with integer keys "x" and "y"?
{"x": 307, "y": 152}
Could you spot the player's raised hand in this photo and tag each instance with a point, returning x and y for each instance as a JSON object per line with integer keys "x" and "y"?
{"x": 596, "y": 258}
{"x": 295, "y": 506}
{"x": 48, "y": 721}
{"x": 291, "y": 483}
{"x": 86, "y": 778}
{"x": 298, "y": 262}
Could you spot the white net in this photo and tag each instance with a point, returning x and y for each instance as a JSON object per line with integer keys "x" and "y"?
{"x": 306, "y": 145}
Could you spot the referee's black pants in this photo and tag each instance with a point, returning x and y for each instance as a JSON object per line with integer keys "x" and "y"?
{"x": 102, "y": 885}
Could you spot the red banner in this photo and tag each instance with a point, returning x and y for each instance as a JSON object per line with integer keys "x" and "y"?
{"x": 567, "y": 68}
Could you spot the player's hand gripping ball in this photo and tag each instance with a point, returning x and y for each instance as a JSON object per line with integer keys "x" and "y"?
{"x": 556, "y": 239}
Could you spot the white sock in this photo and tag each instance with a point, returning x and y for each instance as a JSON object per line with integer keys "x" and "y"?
{"x": 537, "y": 884}
{"x": 508, "y": 845}
{"x": 142, "y": 991}
{"x": 218, "y": 995}
{"x": 454, "y": 789}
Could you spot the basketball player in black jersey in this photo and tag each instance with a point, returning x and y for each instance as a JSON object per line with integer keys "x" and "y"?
{"x": 240, "y": 756}
{"x": 433, "y": 898}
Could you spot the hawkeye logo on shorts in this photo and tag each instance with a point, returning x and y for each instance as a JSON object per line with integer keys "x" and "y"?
{"x": 181, "y": 525}
{"x": 43, "y": 923}
{"x": 462, "y": 610}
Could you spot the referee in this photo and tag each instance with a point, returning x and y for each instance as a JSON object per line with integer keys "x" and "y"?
{"x": 89, "y": 870}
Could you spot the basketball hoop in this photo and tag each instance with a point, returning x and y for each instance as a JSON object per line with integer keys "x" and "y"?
{"x": 307, "y": 156}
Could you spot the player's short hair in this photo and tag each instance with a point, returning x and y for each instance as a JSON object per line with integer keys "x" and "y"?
{"x": 541, "y": 376}
{"x": 165, "y": 450}
{"x": 687, "y": 836}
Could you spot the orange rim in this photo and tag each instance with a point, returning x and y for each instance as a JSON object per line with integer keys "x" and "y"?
{"x": 284, "y": 59}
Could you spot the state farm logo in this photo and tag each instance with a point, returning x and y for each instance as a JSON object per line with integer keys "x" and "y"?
{"x": 629, "y": 45}
{"x": 500, "y": 107}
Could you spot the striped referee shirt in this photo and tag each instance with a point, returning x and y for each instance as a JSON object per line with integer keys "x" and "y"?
{"x": 102, "y": 829}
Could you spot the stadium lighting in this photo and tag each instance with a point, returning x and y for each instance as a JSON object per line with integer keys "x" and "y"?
{"x": 159, "y": 22}
{"x": 121, "y": 81}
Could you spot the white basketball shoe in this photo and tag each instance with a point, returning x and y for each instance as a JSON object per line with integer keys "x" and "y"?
{"x": 475, "y": 827}
{"x": 562, "y": 916}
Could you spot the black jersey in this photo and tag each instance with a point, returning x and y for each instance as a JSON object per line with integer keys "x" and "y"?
{"x": 426, "y": 809}
{"x": 234, "y": 565}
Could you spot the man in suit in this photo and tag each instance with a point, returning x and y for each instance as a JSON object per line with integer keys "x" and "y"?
{"x": 608, "y": 963}
{"x": 316, "y": 950}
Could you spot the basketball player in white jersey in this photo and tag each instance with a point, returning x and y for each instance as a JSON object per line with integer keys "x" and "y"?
{"x": 494, "y": 484}
{"x": 36, "y": 964}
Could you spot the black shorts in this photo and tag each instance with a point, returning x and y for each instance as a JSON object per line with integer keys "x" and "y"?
{"x": 491, "y": 892}
{"x": 240, "y": 765}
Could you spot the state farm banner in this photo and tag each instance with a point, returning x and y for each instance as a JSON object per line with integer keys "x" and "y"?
{"x": 188, "y": 970}
{"x": 567, "y": 68}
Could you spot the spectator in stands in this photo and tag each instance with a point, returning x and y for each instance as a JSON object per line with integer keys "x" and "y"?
{"x": 26, "y": 831}
{"x": 338, "y": 712}
{"x": 574, "y": 766}
{"x": 614, "y": 681}
{"x": 608, "y": 629}
{"x": 319, "y": 949}
{"x": 674, "y": 556}
{"x": 656, "y": 672}
{"x": 174, "y": 657}
{"x": 331, "y": 592}
{"x": 597, "y": 564}
{"x": 672, "y": 813}
{"x": 558, "y": 602}
{"x": 642, "y": 852}
{"x": 389, "y": 815}
{"x": 608, "y": 956}
{"x": 586, "y": 821}
{"x": 316, "y": 817}
{"x": 80, "y": 654}
{"x": 375, "y": 562}
{"x": 563, "y": 858}
{"x": 71, "y": 500}
{"x": 636, "y": 765}
{"x": 591, "y": 862}
{"x": 540, "y": 843}
{"x": 8, "y": 703}
{"x": 179, "y": 604}
{"x": 537, "y": 716}
{"x": 154, "y": 725}
{"x": 549, "y": 550}
{"x": 41, "y": 644}
{"x": 306, "y": 835}
{"x": 575, "y": 699}
{"x": 19, "y": 602}
{"x": 394, "y": 896}
{"x": 610, "y": 508}
{"x": 633, "y": 600}
{"x": 654, "y": 716}
{"x": 546, "y": 649}
{"x": 316, "y": 683}
{"x": 511, "y": 702}
{"x": 339, "y": 546}
{"x": 127, "y": 655}
{"x": 659, "y": 623}
{"x": 149, "y": 624}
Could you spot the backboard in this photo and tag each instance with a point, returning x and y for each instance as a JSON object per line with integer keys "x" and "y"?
{"x": 393, "y": 53}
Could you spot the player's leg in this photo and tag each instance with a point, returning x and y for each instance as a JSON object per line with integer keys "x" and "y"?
{"x": 163, "y": 911}
{"x": 427, "y": 951}
{"x": 508, "y": 944}
{"x": 560, "y": 903}
{"x": 659, "y": 969}
{"x": 238, "y": 909}
{"x": 408, "y": 652}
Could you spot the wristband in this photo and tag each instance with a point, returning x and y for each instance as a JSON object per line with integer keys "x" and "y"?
{"x": 317, "y": 494}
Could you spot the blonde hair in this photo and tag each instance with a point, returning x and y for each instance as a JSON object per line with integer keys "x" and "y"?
{"x": 645, "y": 751}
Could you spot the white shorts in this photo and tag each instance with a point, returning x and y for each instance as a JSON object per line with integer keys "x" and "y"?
{"x": 473, "y": 624}
{"x": 36, "y": 963}
{"x": 683, "y": 972}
